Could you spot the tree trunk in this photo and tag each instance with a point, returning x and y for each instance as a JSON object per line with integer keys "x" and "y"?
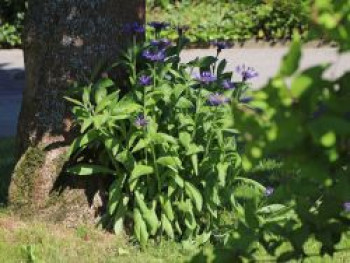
{"x": 63, "y": 39}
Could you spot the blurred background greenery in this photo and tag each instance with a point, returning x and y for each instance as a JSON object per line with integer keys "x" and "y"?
{"x": 238, "y": 21}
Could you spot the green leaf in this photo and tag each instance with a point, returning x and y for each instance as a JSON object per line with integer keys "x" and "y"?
{"x": 143, "y": 143}
{"x": 149, "y": 215}
{"x": 167, "y": 227}
{"x": 194, "y": 160}
{"x": 100, "y": 94}
{"x": 86, "y": 95}
{"x": 167, "y": 207}
{"x": 194, "y": 149}
{"x": 177, "y": 178}
{"x": 221, "y": 67}
{"x": 113, "y": 145}
{"x": 104, "y": 83}
{"x": 115, "y": 194}
{"x": 140, "y": 170}
{"x": 82, "y": 141}
{"x": 222, "y": 172}
{"x": 140, "y": 228}
{"x": 160, "y": 138}
{"x": 290, "y": 62}
{"x": 170, "y": 161}
{"x": 204, "y": 63}
{"x": 89, "y": 169}
{"x": 126, "y": 106}
{"x": 127, "y": 159}
{"x": 190, "y": 221}
{"x": 74, "y": 101}
{"x": 251, "y": 182}
{"x": 107, "y": 101}
{"x": 185, "y": 139}
{"x": 195, "y": 195}
{"x": 271, "y": 209}
{"x": 100, "y": 120}
{"x": 120, "y": 215}
{"x": 184, "y": 103}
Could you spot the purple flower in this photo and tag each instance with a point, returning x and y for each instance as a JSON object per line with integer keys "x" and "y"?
{"x": 269, "y": 191}
{"x": 141, "y": 121}
{"x": 159, "y": 26}
{"x": 161, "y": 44}
{"x": 134, "y": 28}
{"x": 154, "y": 56}
{"x": 346, "y": 206}
{"x": 246, "y": 72}
{"x": 227, "y": 84}
{"x": 206, "y": 77}
{"x": 246, "y": 100}
{"x": 145, "y": 80}
{"x": 217, "y": 99}
{"x": 220, "y": 45}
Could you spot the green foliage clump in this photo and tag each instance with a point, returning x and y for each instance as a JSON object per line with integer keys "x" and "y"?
{"x": 236, "y": 20}
{"x": 9, "y": 36}
{"x": 11, "y": 22}
{"x": 169, "y": 142}
{"x": 303, "y": 119}
{"x": 208, "y": 20}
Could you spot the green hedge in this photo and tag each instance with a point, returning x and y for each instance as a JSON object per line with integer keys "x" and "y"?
{"x": 208, "y": 20}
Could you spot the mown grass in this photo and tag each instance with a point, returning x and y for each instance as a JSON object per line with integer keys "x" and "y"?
{"x": 39, "y": 242}
{"x": 33, "y": 241}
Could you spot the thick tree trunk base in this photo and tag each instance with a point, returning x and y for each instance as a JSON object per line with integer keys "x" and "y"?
{"x": 64, "y": 41}
{"x": 65, "y": 199}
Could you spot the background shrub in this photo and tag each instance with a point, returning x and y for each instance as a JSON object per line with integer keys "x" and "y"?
{"x": 208, "y": 20}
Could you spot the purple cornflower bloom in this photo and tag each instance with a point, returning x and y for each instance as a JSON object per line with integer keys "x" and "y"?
{"x": 220, "y": 45}
{"x": 246, "y": 100}
{"x": 161, "y": 43}
{"x": 141, "y": 121}
{"x": 346, "y": 206}
{"x": 217, "y": 99}
{"x": 227, "y": 84}
{"x": 206, "y": 77}
{"x": 158, "y": 26}
{"x": 154, "y": 56}
{"x": 246, "y": 72}
{"x": 145, "y": 80}
{"x": 269, "y": 191}
{"x": 134, "y": 28}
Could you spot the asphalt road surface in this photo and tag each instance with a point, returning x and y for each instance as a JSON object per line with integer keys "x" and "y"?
{"x": 265, "y": 60}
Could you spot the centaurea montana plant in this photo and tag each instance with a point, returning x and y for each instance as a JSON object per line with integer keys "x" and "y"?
{"x": 169, "y": 142}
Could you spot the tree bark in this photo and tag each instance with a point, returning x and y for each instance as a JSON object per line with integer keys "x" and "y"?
{"x": 63, "y": 40}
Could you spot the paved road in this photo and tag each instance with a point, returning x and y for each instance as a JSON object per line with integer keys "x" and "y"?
{"x": 265, "y": 60}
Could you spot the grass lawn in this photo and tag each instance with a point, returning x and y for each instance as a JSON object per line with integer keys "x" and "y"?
{"x": 32, "y": 241}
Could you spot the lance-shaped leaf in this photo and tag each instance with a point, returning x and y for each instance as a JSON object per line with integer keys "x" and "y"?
{"x": 167, "y": 227}
{"x": 195, "y": 195}
{"x": 140, "y": 228}
{"x": 140, "y": 170}
{"x": 82, "y": 141}
{"x": 149, "y": 215}
{"x": 89, "y": 169}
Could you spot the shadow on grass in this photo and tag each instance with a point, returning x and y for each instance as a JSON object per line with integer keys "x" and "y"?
{"x": 7, "y": 163}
